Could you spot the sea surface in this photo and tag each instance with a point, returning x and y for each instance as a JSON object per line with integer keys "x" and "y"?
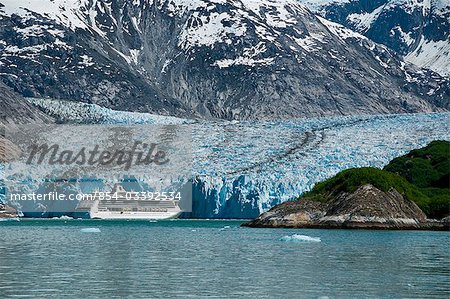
{"x": 217, "y": 259}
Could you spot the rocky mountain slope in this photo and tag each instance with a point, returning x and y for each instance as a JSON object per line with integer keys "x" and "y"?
{"x": 14, "y": 109}
{"x": 209, "y": 58}
{"x": 417, "y": 29}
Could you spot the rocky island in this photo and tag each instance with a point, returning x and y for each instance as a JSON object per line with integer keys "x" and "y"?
{"x": 411, "y": 192}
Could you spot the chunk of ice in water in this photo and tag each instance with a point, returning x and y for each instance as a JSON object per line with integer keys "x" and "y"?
{"x": 225, "y": 227}
{"x": 90, "y": 230}
{"x": 9, "y": 219}
{"x": 299, "y": 238}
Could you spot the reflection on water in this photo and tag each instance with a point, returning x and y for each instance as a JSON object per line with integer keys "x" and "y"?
{"x": 216, "y": 259}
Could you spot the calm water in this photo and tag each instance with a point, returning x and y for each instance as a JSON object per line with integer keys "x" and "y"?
{"x": 218, "y": 259}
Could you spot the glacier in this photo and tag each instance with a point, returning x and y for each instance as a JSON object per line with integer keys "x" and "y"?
{"x": 241, "y": 169}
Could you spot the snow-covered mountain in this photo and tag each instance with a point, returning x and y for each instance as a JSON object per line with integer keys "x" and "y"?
{"x": 212, "y": 58}
{"x": 417, "y": 29}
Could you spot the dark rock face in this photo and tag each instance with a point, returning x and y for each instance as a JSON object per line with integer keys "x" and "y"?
{"x": 367, "y": 207}
{"x": 8, "y": 151}
{"x": 14, "y": 109}
{"x": 232, "y": 60}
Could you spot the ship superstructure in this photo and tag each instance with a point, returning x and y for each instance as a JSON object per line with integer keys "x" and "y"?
{"x": 122, "y": 204}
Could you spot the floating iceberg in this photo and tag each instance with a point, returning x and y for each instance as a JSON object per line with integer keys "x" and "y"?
{"x": 9, "y": 219}
{"x": 90, "y": 230}
{"x": 225, "y": 227}
{"x": 63, "y": 218}
{"x": 300, "y": 239}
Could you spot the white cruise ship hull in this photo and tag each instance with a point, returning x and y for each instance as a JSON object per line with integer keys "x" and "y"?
{"x": 134, "y": 215}
{"x": 127, "y": 205}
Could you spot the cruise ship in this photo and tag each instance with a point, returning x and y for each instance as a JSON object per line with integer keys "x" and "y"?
{"x": 127, "y": 205}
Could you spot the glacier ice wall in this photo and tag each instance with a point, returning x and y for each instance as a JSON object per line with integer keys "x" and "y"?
{"x": 257, "y": 165}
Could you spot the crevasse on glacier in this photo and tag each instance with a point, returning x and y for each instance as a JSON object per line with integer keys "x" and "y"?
{"x": 241, "y": 169}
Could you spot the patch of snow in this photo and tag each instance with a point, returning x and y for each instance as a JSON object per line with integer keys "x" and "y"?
{"x": 224, "y": 63}
{"x": 86, "y": 60}
{"x": 15, "y": 50}
{"x": 180, "y": 7}
{"x": 130, "y": 59}
{"x": 92, "y": 14}
{"x": 203, "y": 30}
{"x": 166, "y": 64}
{"x": 278, "y": 15}
{"x": 409, "y": 6}
{"x": 134, "y": 55}
{"x": 440, "y": 7}
{"x": 65, "y": 12}
{"x": 431, "y": 91}
{"x": 434, "y": 55}
{"x": 37, "y": 30}
{"x": 382, "y": 63}
{"x": 332, "y": 55}
{"x": 340, "y": 31}
{"x": 135, "y": 24}
{"x": 61, "y": 44}
{"x": 364, "y": 21}
{"x": 306, "y": 43}
{"x": 249, "y": 57}
{"x": 405, "y": 37}
{"x": 318, "y": 5}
